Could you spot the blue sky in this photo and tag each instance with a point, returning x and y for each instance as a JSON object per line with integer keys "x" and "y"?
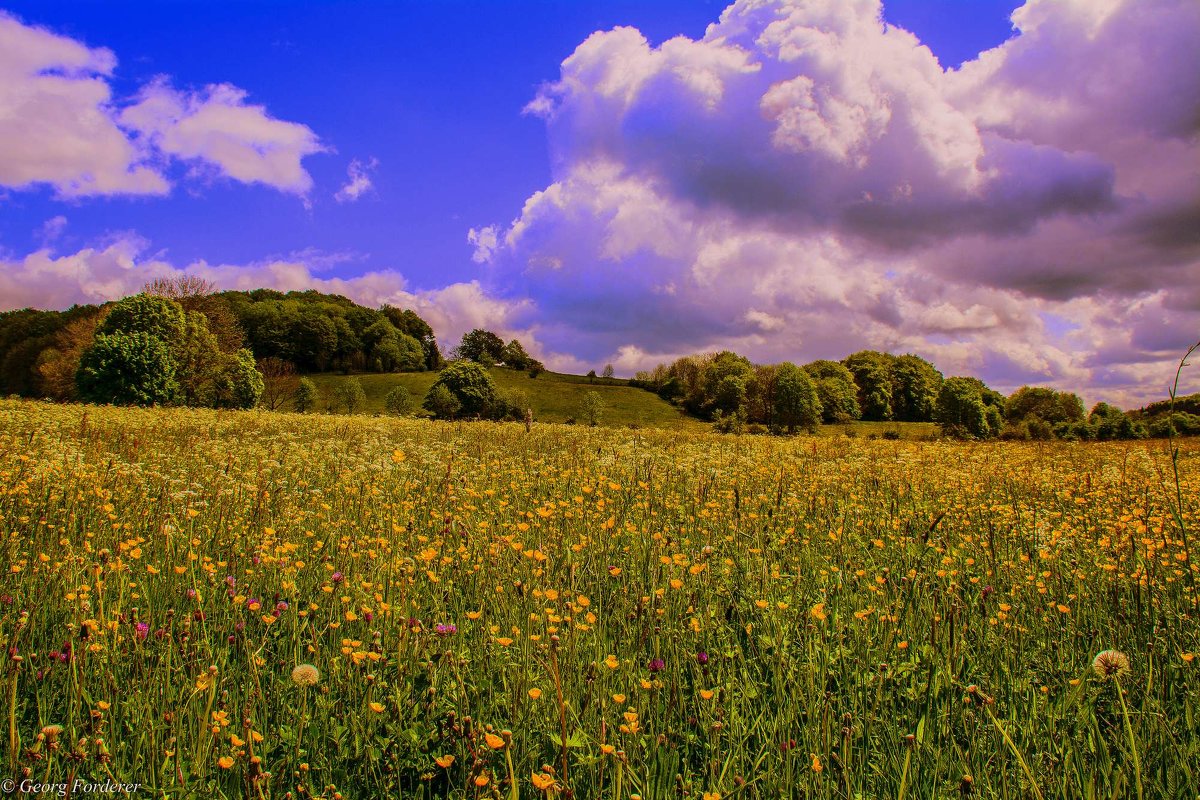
{"x": 996, "y": 173}
{"x": 432, "y": 90}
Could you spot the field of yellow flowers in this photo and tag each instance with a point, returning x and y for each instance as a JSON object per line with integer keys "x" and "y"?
{"x": 243, "y": 604}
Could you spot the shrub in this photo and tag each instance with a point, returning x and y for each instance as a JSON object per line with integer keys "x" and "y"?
{"x": 305, "y": 397}
{"x": 398, "y": 401}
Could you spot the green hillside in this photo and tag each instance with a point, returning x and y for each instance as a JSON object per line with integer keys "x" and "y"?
{"x": 554, "y": 397}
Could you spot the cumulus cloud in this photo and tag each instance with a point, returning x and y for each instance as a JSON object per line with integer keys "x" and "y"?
{"x": 57, "y": 123}
{"x": 485, "y": 241}
{"x": 358, "y": 181}
{"x": 61, "y": 126}
{"x": 805, "y": 180}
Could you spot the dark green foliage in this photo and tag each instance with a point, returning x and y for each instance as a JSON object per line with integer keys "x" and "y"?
{"x": 482, "y": 347}
{"x": 319, "y": 332}
{"x": 441, "y": 402}
{"x": 873, "y": 377}
{"x": 127, "y": 369}
{"x": 836, "y": 389}
{"x": 471, "y": 386}
{"x": 1177, "y": 424}
{"x": 510, "y": 404}
{"x": 1047, "y": 405}
{"x": 408, "y": 323}
{"x": 591, "y": 410}
{"x": 915, "y": 387}
{"x": 796, "y": 401}
{"x": 306, "y": 397}
{"x": 239, "y": 384}
{"x": 145, "y": 313}
{"x": 967, "y": 408}
{"x": 514, "y": 355}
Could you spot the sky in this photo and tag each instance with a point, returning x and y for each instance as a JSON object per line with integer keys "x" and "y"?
{"x": 1011, "y": 191}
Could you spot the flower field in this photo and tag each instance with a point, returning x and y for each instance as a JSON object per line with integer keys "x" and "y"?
{"x": 244, "y": 604}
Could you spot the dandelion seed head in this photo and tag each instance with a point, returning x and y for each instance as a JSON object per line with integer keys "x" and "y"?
{"x": 1111, "y": 664}
{"x": 306, "y": 675}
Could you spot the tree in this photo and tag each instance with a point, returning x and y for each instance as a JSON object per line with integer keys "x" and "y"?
{"x": 58, "y": 364}
{"x": 198, "y": 295}
{"x": 398, "y": 401}
{"x": 238, "y": 383}
{"x": 198, "y": 362}
{"x": 915, "y": 387}
{"x": 962, "y": 409}
{"x": 441, "y": 402}
{"x": 408, "y": 322}
{"x": 280, "y": 381}
{"x": 127, "y": 369}
{"x": 514, "y": 355}
{"x": 728, "y": 396}
{"x": 136, "y": 354}
{"x": 154, "y": 316}
{"x": 471, "y": 385}
{"x": 760, "y": 395}
{"x": 481, "y": 346}
{"x": 591, "y": 376}
{"x": 510, "y": 404}
{"x": 873, "y": 377}
{"x": 608, "y": 372}
{"x": 350, "y": 395}
{"x": 1046, "y": 404}
{"x": 592, "y": 409}
{"x": 796, "y": 401}
{"x": 305, "y": 398}
{"x": 836, "y": 389}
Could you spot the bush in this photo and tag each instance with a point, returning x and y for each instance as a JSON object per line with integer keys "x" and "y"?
{"x": 349, "y": 394}
{"x": 471, "y": 385}
{"x": 398, "y": 401}
{"x": 305, "y": 398}
{"x": 441, "y": 402}
{"x": 127, "y": 369}
{"x": 592, "y": 409}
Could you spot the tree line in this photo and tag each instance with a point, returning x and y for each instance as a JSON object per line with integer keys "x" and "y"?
{"x": 181, "y": 342}
{"x": 737, "y": 394}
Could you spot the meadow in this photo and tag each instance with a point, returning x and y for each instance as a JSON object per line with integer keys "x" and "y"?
{"x": 553, "y": 396}
{"x": 247, "y": 604}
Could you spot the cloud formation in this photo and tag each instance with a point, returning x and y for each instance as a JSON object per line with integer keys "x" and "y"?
{"x": 358, "y": 181}
{"x": 805, "y": 180}
{"x": 61, "y": 126}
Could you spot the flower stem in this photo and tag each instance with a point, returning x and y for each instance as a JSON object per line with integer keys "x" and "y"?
{"x": 1013, "y": 746}
{"x": 1137, "y": 761}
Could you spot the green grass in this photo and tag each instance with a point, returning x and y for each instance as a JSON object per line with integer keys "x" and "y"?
{"x": 656, "y": 612}
{"x": 554, "y": 397}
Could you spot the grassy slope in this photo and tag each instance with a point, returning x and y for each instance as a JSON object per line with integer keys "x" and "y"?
{"x": 557, "y": 397}
{"x": 554, "y": 397}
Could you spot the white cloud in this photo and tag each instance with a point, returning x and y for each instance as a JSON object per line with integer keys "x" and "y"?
{"x": 804, "y": 181}
{"x": 216, "y": 127}
{"x": 57, "y": 123}
{"x": 485, "y": 243}
{"x": 359, "y": 181}
{"x": 61, "y": 126}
